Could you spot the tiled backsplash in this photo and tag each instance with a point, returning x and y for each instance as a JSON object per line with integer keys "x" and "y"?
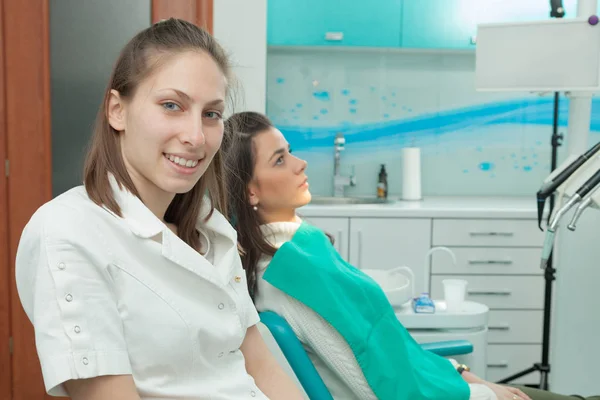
{"x": 472, "y": 143}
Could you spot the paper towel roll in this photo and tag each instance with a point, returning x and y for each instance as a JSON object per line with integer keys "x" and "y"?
{"x": 411, "y": 173}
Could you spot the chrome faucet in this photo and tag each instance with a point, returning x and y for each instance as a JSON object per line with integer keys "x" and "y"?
{"x": 340, "y": 181}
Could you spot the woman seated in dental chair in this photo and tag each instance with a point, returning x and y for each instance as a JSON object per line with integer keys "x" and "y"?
{"x": 342, "y": 317}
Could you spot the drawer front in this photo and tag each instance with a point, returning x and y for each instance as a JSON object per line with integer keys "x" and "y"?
{"x": 504, "y": 360}
{"x": 488, "y": 261}
{"x": 497, "y": 292}
{"x": 487, "y": 232}
{"x": 519, "y": 327}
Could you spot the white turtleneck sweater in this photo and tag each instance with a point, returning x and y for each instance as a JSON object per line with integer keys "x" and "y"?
{"x": 326, "y": 348}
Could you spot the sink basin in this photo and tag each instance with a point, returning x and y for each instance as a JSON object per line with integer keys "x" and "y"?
{"x": 321, "y": 200}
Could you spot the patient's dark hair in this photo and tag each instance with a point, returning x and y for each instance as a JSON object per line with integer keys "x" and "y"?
{"x": 240, "y": 157}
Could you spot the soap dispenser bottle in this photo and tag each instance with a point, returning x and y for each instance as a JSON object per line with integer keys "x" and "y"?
{"x": 382, "y": 185}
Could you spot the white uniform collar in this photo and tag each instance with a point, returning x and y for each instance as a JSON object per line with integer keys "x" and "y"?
{"x": 138, "y": 217}
{"x": 145, "y": 224}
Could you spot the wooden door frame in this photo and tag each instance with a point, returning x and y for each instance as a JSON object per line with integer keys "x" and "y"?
{"x": 199, "y": 12}
{"x": 5, "y": 357}
{"x": 25, "y": 140}
{"x": 29, "y": 150}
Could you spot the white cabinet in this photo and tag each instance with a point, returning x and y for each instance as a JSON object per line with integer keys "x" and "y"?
{"x": 498, "y": 292}
{"x": 499, "y": 258}
{"x": 385, "y": 243}
{"x": 504, "y": 360}
{"x": 487, "y": 232}
{"x": 497, "y": 244}
{"x": 515, "y": 326}
{"x": 381, "y": 243}
{"x": 489, "y": 260}
{"x": 336, "y": 227}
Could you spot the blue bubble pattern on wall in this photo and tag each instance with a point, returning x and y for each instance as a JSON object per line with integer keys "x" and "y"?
{"x": 384, "y": 102}
{"x": 436, "y": 124}
{"x": 323, "y": 96}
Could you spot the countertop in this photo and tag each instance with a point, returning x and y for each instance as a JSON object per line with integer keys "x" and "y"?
{"x": 433, "y": 207}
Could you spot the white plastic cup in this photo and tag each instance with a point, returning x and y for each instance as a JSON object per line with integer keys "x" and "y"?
{"x": 454, "y": 294}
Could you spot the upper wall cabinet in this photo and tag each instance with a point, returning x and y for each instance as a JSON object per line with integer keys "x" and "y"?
{"x": 452, "y": 24}
{"x": 374, "y": 23}
{"x": 426, "y": 24}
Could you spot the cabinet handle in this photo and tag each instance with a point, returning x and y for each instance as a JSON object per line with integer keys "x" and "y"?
{"x": 501, "y": 364}
{"x": 502, "y": 234}
{"x": 334, "y": 36}
{"x": 504, "y": 292}
{"x": 359, "y": 236}
{"x": 490, "y": 262}
{"x": 505, "y": 327}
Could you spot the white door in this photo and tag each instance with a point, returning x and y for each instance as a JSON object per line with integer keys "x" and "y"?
{"x": 385, "y": 243}
{"x": 336, "y": 227}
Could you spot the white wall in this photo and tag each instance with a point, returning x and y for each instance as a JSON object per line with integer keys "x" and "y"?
{"x": 241, "y": 28}
{"x": 575, "y": 350}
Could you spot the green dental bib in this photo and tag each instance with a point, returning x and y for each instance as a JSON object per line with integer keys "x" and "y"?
{"x": 309, "y": 269}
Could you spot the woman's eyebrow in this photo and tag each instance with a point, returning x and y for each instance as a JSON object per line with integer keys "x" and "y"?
{"x": 276, "y": 152}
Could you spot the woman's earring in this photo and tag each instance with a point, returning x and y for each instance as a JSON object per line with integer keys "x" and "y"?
{"x": 255, "y": 208}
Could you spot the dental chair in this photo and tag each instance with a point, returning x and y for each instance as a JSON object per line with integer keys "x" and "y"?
{"x": 305, "y": 371}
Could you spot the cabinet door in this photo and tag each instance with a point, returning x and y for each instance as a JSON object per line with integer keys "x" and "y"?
{"x": 378, "y": 243}
{"x": 438, "y": 24}
{"x": 336, "y": 227}
{"x": 452, "y": 24}
{"x": 334, "y": 23}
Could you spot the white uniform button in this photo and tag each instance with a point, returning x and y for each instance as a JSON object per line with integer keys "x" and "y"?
{"x": 221, "y": 354}
{"x": 62, "y": 266}
{"x": 85, "y": 361}
{"x": 221, "y": 306}
{"x": 77, "y": 329}
{"x": 69, "y": 298}
{"x": 253, "y": 393}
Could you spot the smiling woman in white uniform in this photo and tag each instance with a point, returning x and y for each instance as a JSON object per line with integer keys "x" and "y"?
{"x": 133, "y": 281}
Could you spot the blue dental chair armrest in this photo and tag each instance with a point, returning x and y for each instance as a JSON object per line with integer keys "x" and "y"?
{"x": 305, "y": 371}
{"x": 296, "y": 356}
{"x": 449, "y": 347}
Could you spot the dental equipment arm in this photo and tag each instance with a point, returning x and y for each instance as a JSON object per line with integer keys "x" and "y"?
{"x": 586, "y": 188}
{"x": 550, "y": 187}
{"x": 592, "y": 198}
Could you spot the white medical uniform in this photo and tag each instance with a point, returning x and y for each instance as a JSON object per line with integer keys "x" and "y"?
{"x": 110, "y": 296}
